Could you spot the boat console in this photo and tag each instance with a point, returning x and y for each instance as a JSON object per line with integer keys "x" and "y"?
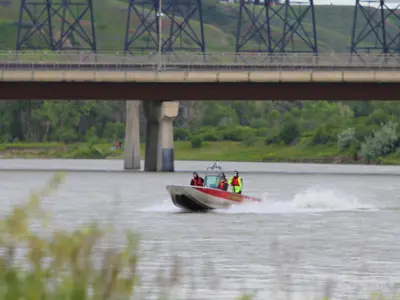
{"x": 211, "y": 181}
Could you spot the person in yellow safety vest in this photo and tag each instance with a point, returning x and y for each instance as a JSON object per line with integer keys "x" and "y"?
{"x": 236, "y": 183}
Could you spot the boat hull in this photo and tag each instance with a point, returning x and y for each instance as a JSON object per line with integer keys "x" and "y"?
{"x": 196, "y": 198}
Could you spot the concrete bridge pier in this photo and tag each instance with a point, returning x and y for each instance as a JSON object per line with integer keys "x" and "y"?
{"x": 132, "y": 136}
{"x": 153, "y": 112}
{"x": 170, "y": 111}
{"x": 159, "y": 153}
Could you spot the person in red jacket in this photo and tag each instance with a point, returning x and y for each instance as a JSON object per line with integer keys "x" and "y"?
{"x": 197, "y": 180}
{"x": 223, "y": 185}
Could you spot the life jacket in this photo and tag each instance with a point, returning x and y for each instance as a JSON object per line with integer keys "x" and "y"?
{"x": 235, "y": 181}
{"x": 197, "y": 181}
{"x": 221, "y": 185}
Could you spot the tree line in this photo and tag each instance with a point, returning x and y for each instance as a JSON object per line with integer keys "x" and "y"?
{"x": 366, "y": 128}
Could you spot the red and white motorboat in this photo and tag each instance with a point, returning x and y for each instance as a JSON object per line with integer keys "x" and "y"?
{"x": 205, "y": 198}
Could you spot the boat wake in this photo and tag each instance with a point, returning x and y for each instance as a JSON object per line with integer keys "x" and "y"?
{"x": 310, "y": 200}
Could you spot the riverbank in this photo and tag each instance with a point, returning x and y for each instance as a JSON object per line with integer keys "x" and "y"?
{"x": 209, "y": 151}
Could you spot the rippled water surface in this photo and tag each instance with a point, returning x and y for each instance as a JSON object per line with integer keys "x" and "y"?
{"x": 313, "y": 227}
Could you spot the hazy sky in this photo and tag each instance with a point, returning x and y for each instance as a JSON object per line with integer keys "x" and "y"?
{"x": 389, "y": 3}
{"x": 335, "y": 2}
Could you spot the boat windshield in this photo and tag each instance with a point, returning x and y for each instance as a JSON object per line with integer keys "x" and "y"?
{"x": 211, "y": 181}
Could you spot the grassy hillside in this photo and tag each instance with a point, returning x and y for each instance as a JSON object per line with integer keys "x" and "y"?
{"x": 334, "y": 24}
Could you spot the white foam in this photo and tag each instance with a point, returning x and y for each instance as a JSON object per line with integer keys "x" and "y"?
{"x": 308, "y": 201}
{"x": 328, "y": 200}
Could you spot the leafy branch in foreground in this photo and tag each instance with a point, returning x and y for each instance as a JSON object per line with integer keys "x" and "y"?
{"x": 61, "y": 266}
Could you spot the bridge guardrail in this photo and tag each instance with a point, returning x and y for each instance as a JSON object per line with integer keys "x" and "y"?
{"x": 188, "y": 60}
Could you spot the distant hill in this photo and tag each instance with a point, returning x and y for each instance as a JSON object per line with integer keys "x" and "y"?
{"x": 334, "y": 24}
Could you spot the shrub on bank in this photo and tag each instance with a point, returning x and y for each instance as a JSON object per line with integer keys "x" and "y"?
{"x": 181, "y": 134}
{"x": 250, "y": 140}
{"x": 210, "y": 134}
{"x": 229, "y": 133}
{"x": 324, "y": 134}
{"x": 363, "y": 130}
{"x": 346, "y": 138}
{"x": 289, "y": 132}
{"x": 234, "y": 133}
{"x": 272, "y": 137}
{"x": 61, "y": 265}
{"x": 196, "y": 141}
{"x": 114, "y": 131}
{"x": 383, "y": 142}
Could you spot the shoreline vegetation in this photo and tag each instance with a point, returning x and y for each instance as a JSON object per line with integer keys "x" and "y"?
{"x": 209, "y": 151}
{"x": 335, "y": 132}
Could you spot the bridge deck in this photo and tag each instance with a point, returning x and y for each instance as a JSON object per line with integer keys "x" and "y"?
{"x": 170, "y": 91}
{"x": 58, "y": 75}
{"x": 46, "y": 75}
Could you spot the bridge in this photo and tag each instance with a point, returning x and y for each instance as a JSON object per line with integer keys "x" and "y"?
{"x": 214, "y": 76}
{"x": 277, "y": 55}
{"x": 66, "y": 75}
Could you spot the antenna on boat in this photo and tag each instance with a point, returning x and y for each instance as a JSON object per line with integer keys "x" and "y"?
{"x": 216, "y": 166}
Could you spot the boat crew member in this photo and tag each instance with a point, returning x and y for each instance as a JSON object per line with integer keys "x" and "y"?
{"x": 236, "y": 183}
{"x": 197, "y": 180}
{"x": 223, "y": 185}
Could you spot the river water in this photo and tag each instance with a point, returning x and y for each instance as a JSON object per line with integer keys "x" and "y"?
{"x": 318, "y": 223}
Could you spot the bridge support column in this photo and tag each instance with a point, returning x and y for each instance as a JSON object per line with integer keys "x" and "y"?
{"x": 132, "y": 136}
{"x": 153, "y": 112}
{"x": 170, "y": 112}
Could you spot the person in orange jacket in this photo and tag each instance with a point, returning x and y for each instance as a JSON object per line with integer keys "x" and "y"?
{"x": 222, "y": 184}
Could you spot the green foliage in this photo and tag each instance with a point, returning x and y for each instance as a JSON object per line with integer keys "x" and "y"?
{"x": 378, "y": 117}
{"x": 210, "y": 134}
{"x": 91, "y": 137}
{"x": 384, "y": 141}
{"x": 272, "y": 136}
{"x": 181, "y": 134}
{"x": 62, "y": 121}
{"x": 259, "y": 123}
{"x": 113, "y": 131}
{"x": 196, "y": 141}
{"x": 249, "y": 140}
{"x": 236, "y": 133}
{"x": 61, "y": 264}
{"x": 217, "y": 114}
{"x": 289, "y": 133}
{"x": 324, "y": 134}
{"x": 301, "y": 123}
{"x": 346, "y": 138}
{"x": 89, "y": 152}
{"x": 363, "y": 130}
